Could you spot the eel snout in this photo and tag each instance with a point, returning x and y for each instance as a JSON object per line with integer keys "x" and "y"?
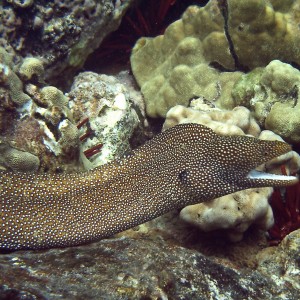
{"x": 272, "y": 149}
{"x": 245, "y": 155}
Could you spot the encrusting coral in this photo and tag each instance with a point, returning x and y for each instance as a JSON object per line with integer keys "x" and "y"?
{"x": 234, "y": 213}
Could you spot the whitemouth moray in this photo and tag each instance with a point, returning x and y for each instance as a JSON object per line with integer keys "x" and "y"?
{"x": 184, "y": 165}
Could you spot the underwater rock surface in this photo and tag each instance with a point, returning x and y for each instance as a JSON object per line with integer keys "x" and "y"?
{"x": 62, "y": 33}
{"x": 144, "y": 268}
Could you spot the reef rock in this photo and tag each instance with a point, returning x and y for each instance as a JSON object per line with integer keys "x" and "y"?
{"x": 112, "y": 118}
{"x": 147, "y": 267}
{"x": 282, "y": 261}
{"x": 61, "y": 33}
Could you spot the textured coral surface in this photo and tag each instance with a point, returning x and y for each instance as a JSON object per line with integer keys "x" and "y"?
{"x": 193, "y": 55}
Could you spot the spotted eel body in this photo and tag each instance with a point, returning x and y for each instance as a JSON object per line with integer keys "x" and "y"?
{"x": 185, "y": 165}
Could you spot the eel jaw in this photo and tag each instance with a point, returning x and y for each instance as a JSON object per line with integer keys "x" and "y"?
{"x": 258, "y": 178}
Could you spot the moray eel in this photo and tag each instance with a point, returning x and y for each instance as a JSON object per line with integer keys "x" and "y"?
{"x": 185, "y": 165}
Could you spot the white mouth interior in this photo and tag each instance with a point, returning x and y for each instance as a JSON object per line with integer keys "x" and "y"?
{"x": 261, "y": 175}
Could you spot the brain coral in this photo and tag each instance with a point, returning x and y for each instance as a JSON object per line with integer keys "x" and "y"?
{"x": 174, "y": 67}
{"x": 30, "y": 68}
{"x": 10, "y": 80}
{"x": 52, "y": 96}
{"x": 18, "y": 161}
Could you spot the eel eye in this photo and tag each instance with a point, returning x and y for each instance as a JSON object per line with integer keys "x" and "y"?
{"x": 183, "y": 176}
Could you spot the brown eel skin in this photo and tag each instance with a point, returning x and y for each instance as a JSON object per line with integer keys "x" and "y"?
{"x": 186, "y": 164}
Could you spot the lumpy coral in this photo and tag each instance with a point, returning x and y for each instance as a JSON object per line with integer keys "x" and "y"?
{"x": 272, "y": 93}
{"x": 235, "y": 122}
{"x": 173, "y": 68}
{"x": 262, "y": 31}
{"x": 233, "y": 213}
{"x": 193, "y": 55}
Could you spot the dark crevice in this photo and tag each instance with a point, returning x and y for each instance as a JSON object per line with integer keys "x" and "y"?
{"x": 294, "y": 65}
{"x": 216, "y": 65}
{"x": 223, "y": 6}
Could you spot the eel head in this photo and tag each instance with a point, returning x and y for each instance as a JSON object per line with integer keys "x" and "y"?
{"x": 221, "y": 165}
